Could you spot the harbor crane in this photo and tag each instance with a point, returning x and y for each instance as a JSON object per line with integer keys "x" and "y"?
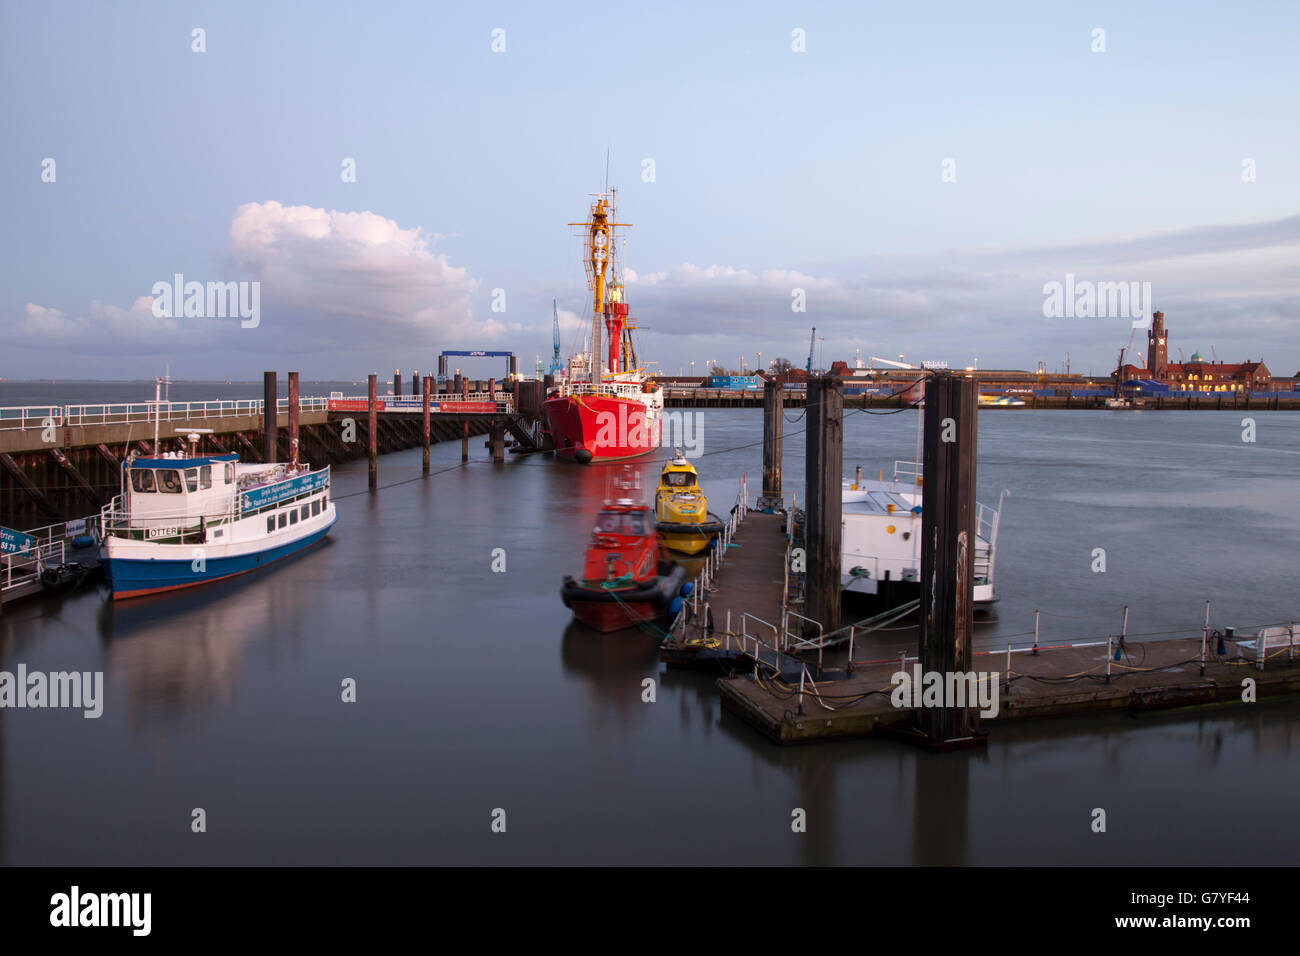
{"x": 555, "y": 345}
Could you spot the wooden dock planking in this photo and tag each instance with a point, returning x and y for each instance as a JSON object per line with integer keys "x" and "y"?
{"x": 752, "y": 575}
{"x": 772, "y": 707}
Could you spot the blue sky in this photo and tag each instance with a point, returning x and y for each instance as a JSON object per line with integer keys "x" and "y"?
{"x": 774, "y": 170}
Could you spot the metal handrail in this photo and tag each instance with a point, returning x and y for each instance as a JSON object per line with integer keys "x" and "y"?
{"x": 799, "y": 641}
{"x": 22, "y": 417}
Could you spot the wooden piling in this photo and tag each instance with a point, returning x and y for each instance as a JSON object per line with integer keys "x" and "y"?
{"x": 773, "y": 428}
{"x": 498, "y": 435}
{"x": 270, "y": 408}
{"x": 372, "y": 428}
{"x": 293, "y": 417}
{"x": 428, "y": 387}
{"x": 464, "y": 441}
{"x": 823, "y": 464}
{"x": 948, "y": 544}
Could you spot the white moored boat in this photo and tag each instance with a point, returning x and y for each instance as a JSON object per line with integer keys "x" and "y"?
{"x": 880, "y": 559}
{"x": 187, "y": 519}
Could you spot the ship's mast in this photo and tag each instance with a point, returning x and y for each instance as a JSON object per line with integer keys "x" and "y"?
{"x": 599, "y": 252}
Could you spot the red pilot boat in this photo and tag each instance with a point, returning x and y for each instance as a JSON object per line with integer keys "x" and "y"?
{"x": 627, "y": 578}
{"x": 606, "y": 409}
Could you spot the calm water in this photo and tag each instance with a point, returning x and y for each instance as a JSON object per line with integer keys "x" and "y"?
{"x": 475, "y": 692}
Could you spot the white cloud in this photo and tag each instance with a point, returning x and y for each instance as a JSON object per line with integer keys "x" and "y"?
{"x": 1235, "y": 287}
{"x": 371, "y": 277}
{"x": 329, "y": 281}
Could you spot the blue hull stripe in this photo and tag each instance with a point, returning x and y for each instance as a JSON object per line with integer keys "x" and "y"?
{"x": 127, "y": 576}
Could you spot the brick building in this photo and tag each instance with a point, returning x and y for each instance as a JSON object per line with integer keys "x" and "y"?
{"x": 1197, "y": 375}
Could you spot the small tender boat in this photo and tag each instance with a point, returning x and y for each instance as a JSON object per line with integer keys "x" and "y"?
{"x": 681, "y": 509}
{"x": 627, "y": 578}
{"x": 185, "y": 519}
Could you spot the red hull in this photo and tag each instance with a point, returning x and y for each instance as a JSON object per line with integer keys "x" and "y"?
{"x": 606, "y": 616}
{"x": 596, "y": 428}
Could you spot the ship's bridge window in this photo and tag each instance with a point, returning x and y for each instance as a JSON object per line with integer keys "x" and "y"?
{"x": 614, "y": 522}
{"x": 191, "y": 479}
{"x": 230, "y": 473}
{"x": 169, "y": 481}
{"x": 679, "y": 479}
{"x": 205, "y": 476}
{"x": 142, "y": 479}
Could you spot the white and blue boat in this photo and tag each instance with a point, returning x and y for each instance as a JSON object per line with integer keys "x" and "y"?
{"x": 185, "y": 519}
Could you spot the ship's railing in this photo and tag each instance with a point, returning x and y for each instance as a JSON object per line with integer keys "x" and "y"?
{"x": 190, "y": 528}
{"x": 281, "y": 475}
{"x": 611, "y": 389}
{"x": 869, "y": 563}
{"x": 910, "y": 471}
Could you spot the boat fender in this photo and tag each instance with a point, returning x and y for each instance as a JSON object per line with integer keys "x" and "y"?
{"x": 687, "y": 588}
{"x": 83, "y": 541}
{"x": 50, "y": 577}
{"x": 675, "y": 607}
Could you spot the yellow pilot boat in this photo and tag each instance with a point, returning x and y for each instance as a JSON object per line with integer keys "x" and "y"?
{"x": 681, "y": 509}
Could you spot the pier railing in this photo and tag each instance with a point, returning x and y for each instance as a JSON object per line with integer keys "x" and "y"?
{"x": 51, "y": 548}
{"x": 500, "y": 402}
{"x": 23, "y": 417}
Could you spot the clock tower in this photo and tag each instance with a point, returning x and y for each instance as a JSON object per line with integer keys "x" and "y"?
{"x": 1157, "y": 347}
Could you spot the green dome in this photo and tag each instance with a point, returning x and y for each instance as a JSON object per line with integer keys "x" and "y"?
{"x": 1197, "y": 357}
